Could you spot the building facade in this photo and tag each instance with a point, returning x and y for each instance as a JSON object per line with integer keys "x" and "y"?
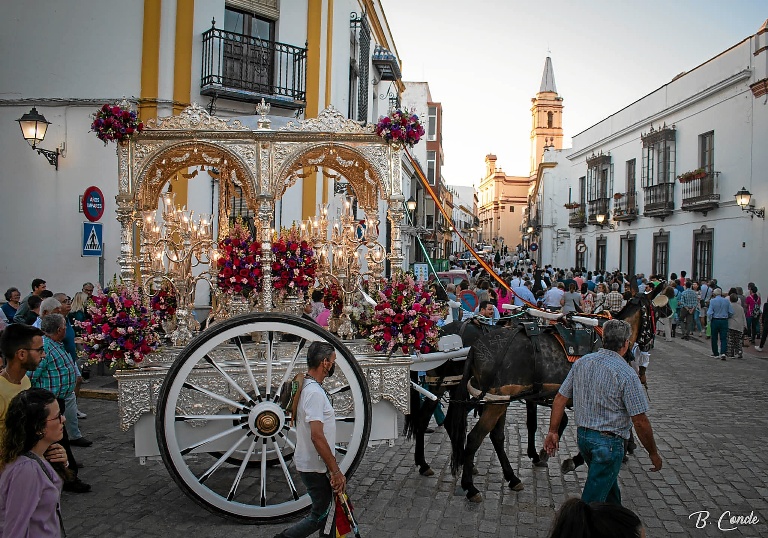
{"x": 501, "y": 200}
{"x": 651, "y": 189}
{"x": 226, "y": 55}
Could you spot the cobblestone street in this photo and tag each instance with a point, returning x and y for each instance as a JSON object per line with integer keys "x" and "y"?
{"x": 709, "y": 419}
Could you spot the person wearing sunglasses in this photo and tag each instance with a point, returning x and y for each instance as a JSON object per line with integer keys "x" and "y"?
{"x": 30, "y": 489}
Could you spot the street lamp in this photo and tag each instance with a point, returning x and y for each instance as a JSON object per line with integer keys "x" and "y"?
{"x": 600, "y": 218}
{"x": 411, "y": 204}
{"x": 743, "y": 197}
{"x": 33, "y": 127}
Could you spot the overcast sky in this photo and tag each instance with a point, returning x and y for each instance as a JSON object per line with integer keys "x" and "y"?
{"x": 484, "y": 59}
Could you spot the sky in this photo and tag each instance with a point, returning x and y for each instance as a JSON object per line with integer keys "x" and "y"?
{"x": 483, "y": 60}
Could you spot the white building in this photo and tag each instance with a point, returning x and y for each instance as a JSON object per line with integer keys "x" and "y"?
{"x": 464, "y": 215}
{"x": 68, "y": 58}
{"x": 708, "y": 125}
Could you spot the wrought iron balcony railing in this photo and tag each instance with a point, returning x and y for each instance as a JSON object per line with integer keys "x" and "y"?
{"x": 659, "y": 200}
{"x": 245, "y": 68}
{"x": 701, "y": 194}
{"x": 625, "y": 206}
{"x": 577, "y": 218}
{"x": 598, "y": 206}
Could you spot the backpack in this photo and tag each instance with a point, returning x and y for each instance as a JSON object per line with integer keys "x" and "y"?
{"x": 756, "y": 307}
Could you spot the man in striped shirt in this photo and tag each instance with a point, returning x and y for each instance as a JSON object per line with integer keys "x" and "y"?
{"x": 608, "y": 399}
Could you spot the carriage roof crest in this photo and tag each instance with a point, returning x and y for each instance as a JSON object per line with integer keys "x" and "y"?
{"x": 329, "y": 120}
{"x": 195, "y": 118}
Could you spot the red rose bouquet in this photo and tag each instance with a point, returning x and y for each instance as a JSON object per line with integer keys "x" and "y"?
{"x": 333, "y": 300}
{"x": 405, "y": 318}
{"x": 112, "y": 123}
{"x": 293, "y": 265}
{"x": 400, "y": 126}
{"x": 121, "y": 331}
{"x": 239, "y": 263}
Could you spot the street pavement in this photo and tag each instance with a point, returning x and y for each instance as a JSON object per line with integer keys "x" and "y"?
{"x": 709, "y": 416}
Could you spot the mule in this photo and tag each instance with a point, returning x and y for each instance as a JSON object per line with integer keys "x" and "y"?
{"x": 509, "y": 365}
{"x": 440, "y": 380}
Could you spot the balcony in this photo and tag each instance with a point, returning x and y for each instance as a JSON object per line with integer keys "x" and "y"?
{"x": 701, "y": 194}
{"x": 625, "y": 206}
{"x": 598, "y": 206}
{"x": 659, "y": 200}
{"x": 249, "y": 69}
{"x": 577, "y": 218}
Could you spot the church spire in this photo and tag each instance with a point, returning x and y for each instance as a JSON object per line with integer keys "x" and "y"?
{"x": 548, "y": 78}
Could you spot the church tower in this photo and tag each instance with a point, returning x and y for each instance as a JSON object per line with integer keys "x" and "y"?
{"x": 547, "y": 118}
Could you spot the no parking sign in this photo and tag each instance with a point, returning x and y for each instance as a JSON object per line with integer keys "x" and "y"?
{"x": 93, "y": 204}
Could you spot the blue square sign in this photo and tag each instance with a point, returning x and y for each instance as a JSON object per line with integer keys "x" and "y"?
{"x": 92, "y": 244}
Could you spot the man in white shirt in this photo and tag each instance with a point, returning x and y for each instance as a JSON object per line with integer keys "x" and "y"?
{"x": 553, "y": 296}
{"x": 315, "y": 438}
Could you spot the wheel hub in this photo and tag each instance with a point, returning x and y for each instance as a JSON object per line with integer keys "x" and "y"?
{"x": 266, "y": 419}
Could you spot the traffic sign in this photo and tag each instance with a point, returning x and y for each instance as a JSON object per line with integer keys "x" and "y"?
{"x": 92, "y": 243}
{"x": 93, "y": 204}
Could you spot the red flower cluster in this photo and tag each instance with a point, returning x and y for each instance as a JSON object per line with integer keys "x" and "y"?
{"x": 239, "y": 262}
{"x": 333, "y": 300}
{"x": 115, "y": 124}
{"x": 120, "y": 331}
{"x": 163, "y": 304}
{"x": 293, "y": 265}
{"x": 400, "y": 127}
{"x": 405, "y": 318}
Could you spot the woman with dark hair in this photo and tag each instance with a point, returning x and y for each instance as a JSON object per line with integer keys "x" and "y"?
{"x": 12, "y": 296}
{"x": 577, "y": 519}
{"x": 29, "y": 487}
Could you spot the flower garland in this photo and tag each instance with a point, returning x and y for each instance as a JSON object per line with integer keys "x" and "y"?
{"x": 239, "y": 263}
{"x": 120, "y": 331}
{"x": 163, "y": 305}
{"x": 293, "y": 265}
{"x": 405, "y": 318}
{"x": 400, "y": 126}
{"x": 115, "y": 124}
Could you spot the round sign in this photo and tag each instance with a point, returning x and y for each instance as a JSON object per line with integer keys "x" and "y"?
{"x": 534, "y": 247}
{"x": 93, "y": 204}
{"x": 581, "y": 247}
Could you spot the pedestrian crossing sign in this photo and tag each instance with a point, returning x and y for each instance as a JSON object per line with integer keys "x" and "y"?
{"x": 92, "y": 244}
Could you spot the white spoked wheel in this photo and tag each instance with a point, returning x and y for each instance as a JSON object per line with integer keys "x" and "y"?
{"x": 222, "y": 427}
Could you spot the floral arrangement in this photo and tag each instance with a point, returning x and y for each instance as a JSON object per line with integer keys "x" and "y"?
{"x": 293, "y": 265}
{"x": 163, "y": 305}
{"x": 400, "y": 127}
{"x": 112, "y": 123}
{"x": 405, "y": 318}
{"x": 121, "y": 331}
{"x": 362, "y": 311}
{"x": 333, "y": 300}
{"x": 618, "y": 195}
{"x": 699, "y": 173}
{"x": 239, "y": 263}
{"x": 572, "y": 205}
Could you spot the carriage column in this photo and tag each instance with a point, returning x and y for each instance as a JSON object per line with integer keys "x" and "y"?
{"x": 395, "y": 214}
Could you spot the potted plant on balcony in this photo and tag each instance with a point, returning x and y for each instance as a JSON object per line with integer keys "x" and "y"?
{"x": 699, "y": 173}
{"x": 572, "y": 205}
{"x": 618, "y": 196}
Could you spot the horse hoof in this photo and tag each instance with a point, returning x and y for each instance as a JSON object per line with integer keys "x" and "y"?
{"x": 516, "y": 485}
{"x": 475, "y": 471}
{"x": 543, "y": 456}
{"x": 427, "y": 472}
{"x": 476, "y": 498}
{"x": 540, "y": 463}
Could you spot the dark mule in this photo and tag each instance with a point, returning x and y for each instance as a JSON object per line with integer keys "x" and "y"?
{"x": 508, "y": 365}
{"x": 440, "y": 380}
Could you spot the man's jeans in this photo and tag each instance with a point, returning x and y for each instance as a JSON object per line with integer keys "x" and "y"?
{"x": 70, "y": 413}
{"x": 321, "y": 493}
{"x": 603, "y": 454}
{"x": 719, "y": 330}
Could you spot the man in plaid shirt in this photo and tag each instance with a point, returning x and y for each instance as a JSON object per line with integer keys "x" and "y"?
{"x": 614, "y": 301}
{"x": 687, "y": 302}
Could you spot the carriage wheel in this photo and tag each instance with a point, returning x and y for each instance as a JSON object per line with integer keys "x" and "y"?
{"x": 223, "y": 432}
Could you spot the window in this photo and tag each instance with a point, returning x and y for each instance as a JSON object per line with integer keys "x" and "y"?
{"x": 239, "y": 22}
{"x": 511, "y": 209}
{"x": 658, "y": 157}
{"x": 707, "y": 151}
{"x": 598, "y": 174}
{"x": 353, "y": 74}
{"x": 359, "y": 27}
{"x": 582, "y": 190}
{"x": 430, "y": 223}
{"x": 601, "y": 253}
{"x": 581, "y": 257}
{"x": 431, "y": 157}
{"x": 631, "y": 171}
{"x": 432, "y": 126}
{"x": 660, "y": 262}
{"x": 247, "y": 56}
{"x": 702, "y": 253}
{"x": 550, "y": 117}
